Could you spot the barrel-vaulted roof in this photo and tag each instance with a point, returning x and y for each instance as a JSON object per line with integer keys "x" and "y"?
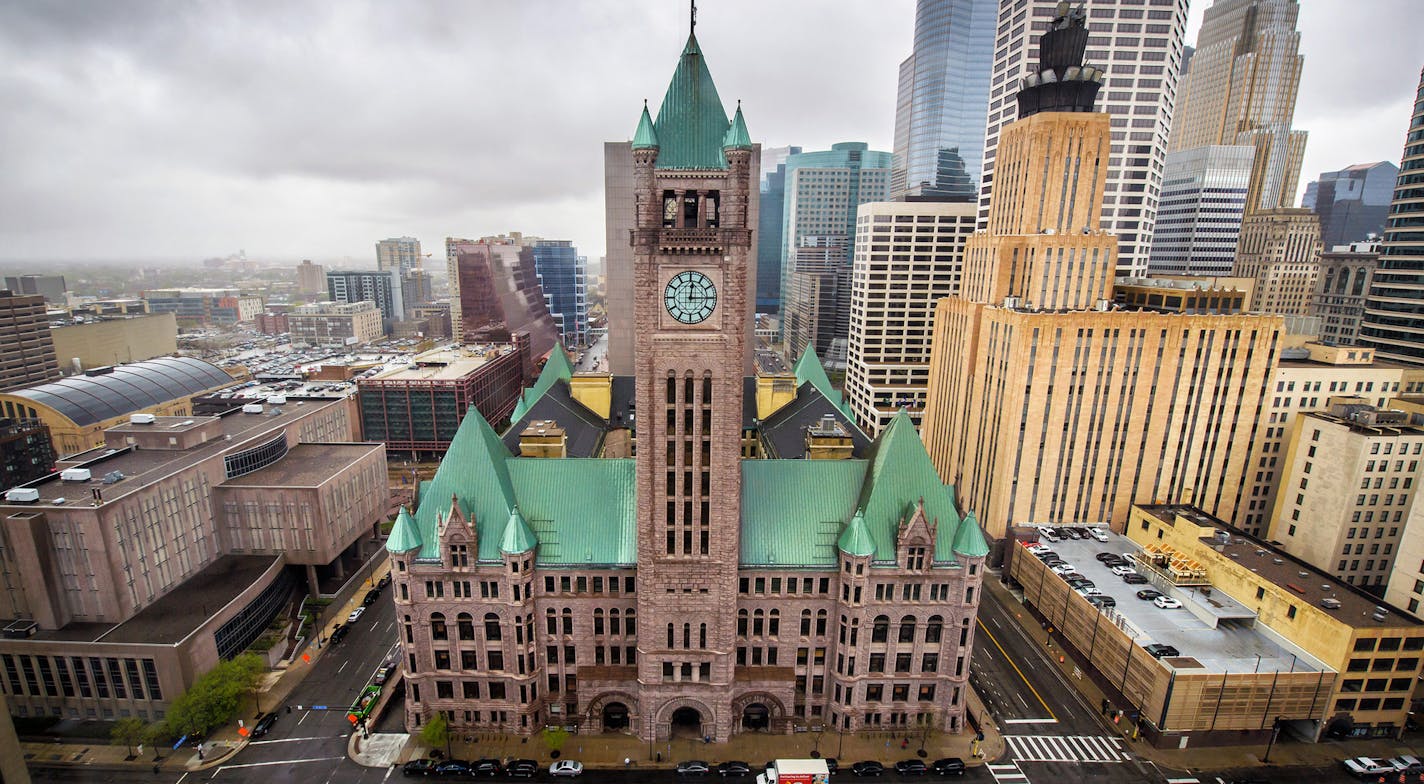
{"x": 125, "y": 389}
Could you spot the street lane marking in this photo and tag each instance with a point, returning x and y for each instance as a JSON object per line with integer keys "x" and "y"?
{"x": 1016, "y": 668}
{"x": 290, "y": 740}
{"x": 1185, "y": 781}
{"x": 1029, "y": 721}
{"x": 342, "y": 667}
{"x": 278, "y": 762}
{"x": 1060, "y": 748}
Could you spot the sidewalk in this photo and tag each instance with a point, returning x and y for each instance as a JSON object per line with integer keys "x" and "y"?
{"x": 1285, "y": 752}
{"x": 223, "y": 742}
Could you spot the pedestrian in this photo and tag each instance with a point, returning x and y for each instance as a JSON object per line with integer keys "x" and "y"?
{"x": 904, "y": 743}
{"x": 627, "y": 762}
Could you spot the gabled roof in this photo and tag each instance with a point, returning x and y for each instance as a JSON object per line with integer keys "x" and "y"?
{"x": 855, "y": 539}
{"x": 583, "y": 429}
{"x": 475, "y": 470}
{"x": 518, "y": 536}
{"x": 783, "y": 434}
{"x": 900, "y": 475}
{"x": 404, "y": 536}
{"x": 583, "y": 511}
{"x": 691, "y": 122}
{"x": 737, "y": 137}
{"x": 556, "y": 368}
{"x": 808, "y": 369}
{"x": 793, "y": 510}
{"x": 645, "y": 137}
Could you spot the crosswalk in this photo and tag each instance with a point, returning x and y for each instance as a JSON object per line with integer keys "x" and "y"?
{"x": 1065, "y": 748}
{"x": 1007, "y": 774}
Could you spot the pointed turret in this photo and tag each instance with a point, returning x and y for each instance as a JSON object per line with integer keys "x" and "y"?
{"x": 899, "y": 479}
{"x": 737, "y": 137}
{"x": 691, "y": 122}
{"x": 646, "y": 137}
{"x": 404, "y": 534}
{"x": 969, "y": 539}
{"x": 518, "y": 536}
{"x": 473, "y": 480}
{"x": 855, "y": 539}
{"x": 808, "y": 369}
{"x": 557, "y": 368}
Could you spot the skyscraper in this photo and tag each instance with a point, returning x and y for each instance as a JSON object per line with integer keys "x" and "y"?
{"x": 26, "y": 348}
{"x": 942, "y": 101}
{"x": 398, "y": 253}
{"x": 382, "y": 287}
{"x": 823, "y": 191}
{"x": 311, "y": 278}
{"x": 1139, "y": 46}
{"x": 769, "y": 236}
{"x": 1394, "y": 309}
{"x": 1280, "y": 251}
{"x": 563, "y": 277}
{"x": 1241, "y": 89}
{"x": 1352, "y": 203}
{"x": 1199, "y": 215}
{"x": 495, "y": 295}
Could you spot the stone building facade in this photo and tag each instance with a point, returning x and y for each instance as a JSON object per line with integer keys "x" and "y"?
{"x": 758, "y": 564}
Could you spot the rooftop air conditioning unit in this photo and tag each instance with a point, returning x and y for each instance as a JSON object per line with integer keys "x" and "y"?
{"x": 141, "y": 419}
{"x": 75, "y": 475}
{"x": 22, "y": 495}
{"x": 252, "y": 408}
{"x": 1330, "y": 603}
{"x": 277, "y": 400}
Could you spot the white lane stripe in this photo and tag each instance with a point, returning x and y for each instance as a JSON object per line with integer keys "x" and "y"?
{"x": 1029, "y": 721}
{"x": 289, "y": 740}
{"x": 278, "y": 762}
{"x": 1069, "y": 748}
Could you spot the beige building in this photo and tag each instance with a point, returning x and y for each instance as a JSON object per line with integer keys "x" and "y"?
{"x": 114, "y": 341}
{"x": 907, "y": 256}
{"x": 311, "y": 278}
{"x": 1280, "y": 251}
{"x": 336, "y": 323}
{"x": 1184, "y": 294}
{"x": 1304, "y": 380}
{"x": 1346, "y": 272}
{"x": 1047, "y": 405}
{"x": 1347, "y": 495}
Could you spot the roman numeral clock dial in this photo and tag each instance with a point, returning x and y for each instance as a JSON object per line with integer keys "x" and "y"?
{"x": 690, "y": 297}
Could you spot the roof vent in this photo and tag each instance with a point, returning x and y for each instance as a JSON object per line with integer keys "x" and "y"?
{"x": 113, "y": 477}
{"x": 1325, "y": 587}
{"x": 1278, "y": 561}
{"x": 1330, "y": 603}
{"x": 1303, "y": 574}
{"x": 141, "y": 419}
{"x": 1379, "y": 615}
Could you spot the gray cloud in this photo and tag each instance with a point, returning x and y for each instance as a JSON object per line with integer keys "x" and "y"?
{"x": 185, "y": 129}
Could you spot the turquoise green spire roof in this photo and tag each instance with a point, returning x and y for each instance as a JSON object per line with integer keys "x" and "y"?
{"x": 557, "y": 368}
{"x": 855, "y": 539}
{"x": 900, "y": 475}
{"x": 737, "y": 137}
{"x": 518, "y": 536}
{"x": 969, "y": 541}
{"x": 645, "y": 136}
{"x": 404, "y": 536}
{"x": 808, "y": 368}
{"x": 474, "y": 470}
{"x": 691, "y": 122}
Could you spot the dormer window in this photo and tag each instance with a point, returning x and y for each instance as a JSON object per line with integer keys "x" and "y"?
{"x": 459, "y": 555}
{"x": 915, "y": 558}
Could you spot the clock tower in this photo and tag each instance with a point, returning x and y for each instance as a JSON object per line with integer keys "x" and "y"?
{"x": 692, "y": 276}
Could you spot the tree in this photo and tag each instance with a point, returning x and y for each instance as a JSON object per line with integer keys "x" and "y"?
{"x": 436, "y": 732}
{"x": 155, "y": 736}
{"x": 128, "y": 731}
{"x": 215, "y": 698}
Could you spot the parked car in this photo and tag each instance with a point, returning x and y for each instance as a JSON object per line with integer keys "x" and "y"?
{"x": 1134, "y": 579}
{"x": 1147, "y": 594}
{"x": 692, "y": 768}
{"x": 264, "y": 724}
{"x": 566, "y": 767}
{"x": 1102, "y": 601}
{"x": 911, "y": 767}
{"x": 734, "y": 768}
{"x": 867, "y": 768}
{"x": 418, "y": 767}
{"x": 370, "y": 597}
{"x": 1098, "y": 533}
{"x": 1407, "y": 764}
{"x": 1159, "y": 651}
{"x": 1081, "y": 582}
{"x": 1166, "y": 603}
{"x": 523, "y": 768}
{"x": 1123, "y": 570}
{"x": 356, "y": 615}
{"x": 486, "y": 767}
{"x": 1105, "y": 557}
{"x": 1074, "y": 533}
{"x": 453, "y": 767}
{"x": 949, "y": 766}
{"x": 1088, "y": 590}
{"x": 384, "y": 581}
{"x": 1036, "y": 548}
{"x": 339, "y": 633}
{"x": 1061, "y": 568}
{"x": 833, "y": 765}
{"x": 1044, "y": 554}
{"x": 384, "y": 673}
{"x": 1369, "y": 766}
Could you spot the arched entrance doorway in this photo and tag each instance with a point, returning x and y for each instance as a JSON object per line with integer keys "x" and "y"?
{"x": 615, "y": 717}
{"x": 687, "y": 723}
{"x": 756, "y": 717}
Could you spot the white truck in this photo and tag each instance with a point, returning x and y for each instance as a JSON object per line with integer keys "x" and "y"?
{"x": 796, "y": 771}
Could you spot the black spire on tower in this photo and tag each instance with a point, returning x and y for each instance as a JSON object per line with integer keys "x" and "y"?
{"x": 1063, "y": 83}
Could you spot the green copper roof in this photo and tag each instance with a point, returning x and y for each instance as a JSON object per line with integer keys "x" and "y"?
{"x": 518, "y": 536}
{"x": 808, "y": 368}
{"x": 691, "y": 122}
{"x": 556, "y": 368}
{"x": 583, "y": 510}
{"x": 404, "y": 536}
{"x": 900, "y": 474}
{"x": 793, "y": 510}
{"x": 645, "y": 136}
{"x": 475, "y": 471}
{"x": 969, "y": 542}
{"x": 855, "y": 539}
{"x": 737, "y": 137}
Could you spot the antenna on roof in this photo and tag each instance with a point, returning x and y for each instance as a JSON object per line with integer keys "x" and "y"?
{"x": 692, "y": 30}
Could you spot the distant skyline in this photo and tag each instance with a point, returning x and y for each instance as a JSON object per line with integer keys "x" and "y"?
{"x": 171, "y": 132}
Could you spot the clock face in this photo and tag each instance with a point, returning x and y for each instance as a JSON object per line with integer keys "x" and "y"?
{"x": 690, "y": 297}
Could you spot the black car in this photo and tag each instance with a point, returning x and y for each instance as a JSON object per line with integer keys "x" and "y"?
{"x": 1159, "y": 651}
{"x": 264, "y": 724}
{"x": 833, "y": 765}
{"x": 693, "y": 768}
{"x": 1102, "y": 601}
{"x": 1147, "y": 594}
{"x": 867, "y": 768}
{"x": 338, "y": 634}
{"x": 911, "y": 767}
{"x": 949, "y": 766}
{"x": 1133, "y": 578}
{"x": 384, "y": 581}
{"x": 453, "y": 767}
{"x": 1105, "y": 557}
{"x": 418, "y": 767}
{"x": 734, "y": 768}
{"x": 487, "y": 767}
{"x": 1044, "y": 555}
{"x": 524, "y": 768}
{"x": 1081, "y": 582}
{"x": 370, "y": 597}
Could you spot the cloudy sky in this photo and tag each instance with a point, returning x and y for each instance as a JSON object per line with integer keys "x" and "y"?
{"x": 177, "y": 130}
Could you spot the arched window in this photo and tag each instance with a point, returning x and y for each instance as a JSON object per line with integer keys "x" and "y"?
{"x": 758, "y": 623}
{"x": 844, "y": 630}
{"x": 613, "y": 625}
{"x": 630, "y": 622}
{"x": 437, "y": 627}
{"x": 805, "y": 623}
{"x": 598, "y": 621}
{"x": 1344, "y": 283}
{"x": 1359, "y": 282}
{"x": 854, "y": 632}
{"x": 687, "y": 635}
{"x": 670, "y": 636}
{"x": 742, "y": 622}
{"x": 907, "y": 629}
{"x": 466, "y": 624}
{"x": 551, "y": 621}
{"x": 492, "y": 632}
{"x": 773, "y": 626}
{"x": 881, "y": 631}
{"x": 702, "y": 637}
{"x": 568, "y": 616}
{"x": 821, "y": 623}
{"x": 934, "y": 628}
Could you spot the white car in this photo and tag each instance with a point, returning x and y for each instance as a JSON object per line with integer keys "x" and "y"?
{"x": 1036, "y": 548}
{"x": 1063, "y": 568}
{"x": 356, "y": 615}
{"x": 566, "y": 768}
{"x": 1166, "y": 603}
{"x": 1369, "y": 766}
{"x": 1098, "y": 533}
{"x": 1090, "y": 591}
{"x": 1122, "y": 570}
